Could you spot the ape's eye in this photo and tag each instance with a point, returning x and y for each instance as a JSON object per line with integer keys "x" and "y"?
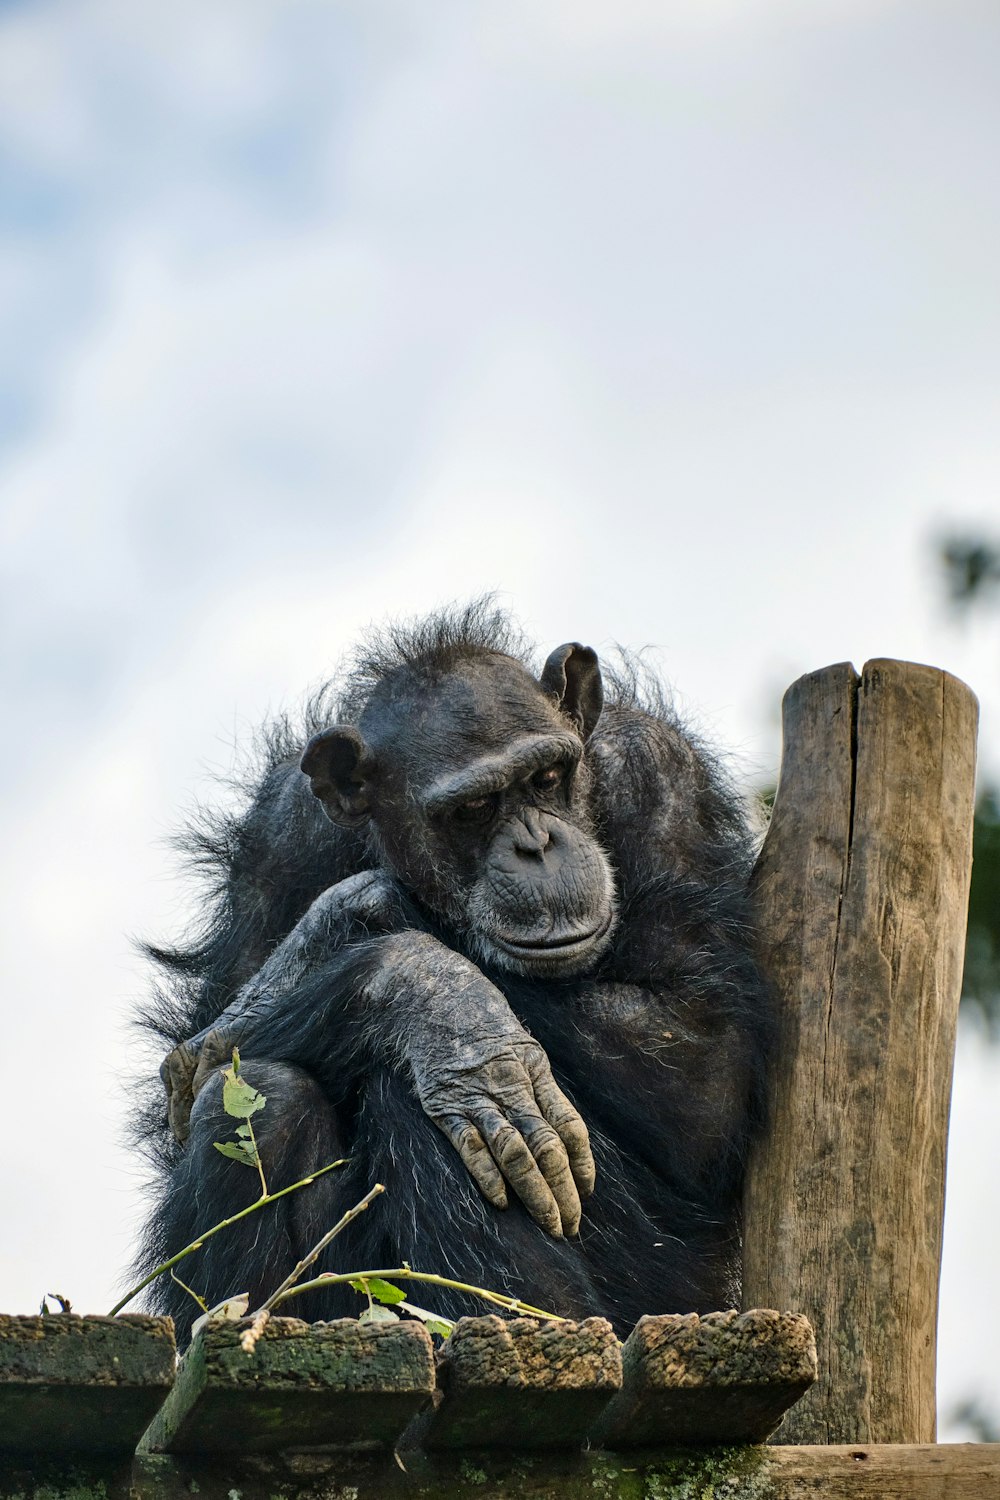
{"x": 549, "y": 779}
{"x": 479, "y": 810}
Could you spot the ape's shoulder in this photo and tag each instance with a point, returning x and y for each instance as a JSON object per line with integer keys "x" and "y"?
{"x": 639, "y": 757}
{"x": 663, "y": 799}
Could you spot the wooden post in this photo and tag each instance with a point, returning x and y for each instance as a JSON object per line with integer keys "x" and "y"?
{"x": 862, "y": 891}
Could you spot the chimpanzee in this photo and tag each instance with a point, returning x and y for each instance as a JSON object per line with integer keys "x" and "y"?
{"x": 488, "y": 937}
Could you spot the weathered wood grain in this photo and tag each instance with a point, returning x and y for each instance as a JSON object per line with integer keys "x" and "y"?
{"x": 341, "y": 1384}
{"x": 521, "y": 1383}
{"x": 721, "y": 1378}
{"x": 82, "y": 1384}
{"x": 948, "y": 1472}
{"x": 890, "y": 1471}
{"x": 861, "y": 892}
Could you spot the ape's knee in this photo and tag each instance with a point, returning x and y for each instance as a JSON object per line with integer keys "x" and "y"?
{"x": 292, "y": 1098}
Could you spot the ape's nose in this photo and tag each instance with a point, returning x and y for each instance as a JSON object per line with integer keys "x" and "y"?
{"x": 531, "y": 837}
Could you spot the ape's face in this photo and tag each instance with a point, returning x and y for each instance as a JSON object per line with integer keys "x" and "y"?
{"x": 477, "y": 791}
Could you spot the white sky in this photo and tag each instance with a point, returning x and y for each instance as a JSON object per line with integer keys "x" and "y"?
{"x": 676, "y": 324}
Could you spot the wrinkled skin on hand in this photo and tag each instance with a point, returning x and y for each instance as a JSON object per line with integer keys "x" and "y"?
{"x": 483, "y": 1080}
{"x": 509, "y": 1121}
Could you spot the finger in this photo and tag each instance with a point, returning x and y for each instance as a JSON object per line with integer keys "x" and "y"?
{"x": 513, "y": 1157}
{"x": 570, "y": 1128}
{"x": 553, "y": 1163}
{"x": 215, "y": 1052}
{"x": 165, "y": 1077}
{"x": 176, "y": 1071}
{"x": 476, "y": 1155}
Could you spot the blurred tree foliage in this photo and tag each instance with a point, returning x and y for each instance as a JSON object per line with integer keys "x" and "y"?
{"x": 979, "y": 1421}
{"x": 971, "y": 568}
{"x": 981, "y": 986}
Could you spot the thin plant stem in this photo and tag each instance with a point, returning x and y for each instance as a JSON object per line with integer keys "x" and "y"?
{"x": 403, "y": 1273}
{"x": 196, "y": 1244}
{"x": 256, "y": 1157}
{"x": 190, "y": 1291}
{"x": 320, "y": 1246}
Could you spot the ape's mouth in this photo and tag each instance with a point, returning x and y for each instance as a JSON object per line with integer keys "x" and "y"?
{"x": 554, "y": 945}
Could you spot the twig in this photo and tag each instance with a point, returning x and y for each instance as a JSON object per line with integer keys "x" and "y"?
{"x": 190, "y": 1291}
{"x": 256, "y": 1156}
{"x": 403, "y": 1273}
{"x": 320, "y": 1246}
{"x": 224, "y": 1224}
{"x": 249, "y": 1336}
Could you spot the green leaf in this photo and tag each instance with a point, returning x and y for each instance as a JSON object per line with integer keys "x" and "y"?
{"x": 236, "y": 1061}
{"x": 236, "y": 1151}
{"x": 239, "y": 1099}
{"x": 434, "y": 1322}
{"x": 382, "y": 1291}
{"x": 245, "y": 1131}
{"x": 378, "y": 1314}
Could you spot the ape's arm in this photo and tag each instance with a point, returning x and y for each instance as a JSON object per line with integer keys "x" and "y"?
{"x": 367, "y": 903}
{"x": 405, "y": 999}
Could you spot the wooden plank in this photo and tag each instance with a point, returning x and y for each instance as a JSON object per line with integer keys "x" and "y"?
{"x": 948, "y": 1472}
{"x": 83, "y": 1384}
{"x": 888, "y": 1471}
{"x": 861, "y": 892}
{"x": 341, "y": 1384}
{"x": 521, "y": 1383}
{"x": 721, "y": 1378}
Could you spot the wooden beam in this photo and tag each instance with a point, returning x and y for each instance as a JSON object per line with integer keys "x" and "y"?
{"x": 82, "y": 1385}
{"x": 929, "y": 1472}
{"x": 335, "y": 1383}
{"x": 724, "y": 1377}
{"x": 519, "y": 1383}
{"x": 890, "y": 1471}
{"x": 862, "y": 891}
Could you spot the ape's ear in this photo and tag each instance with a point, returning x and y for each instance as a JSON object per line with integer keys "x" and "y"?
{"x": 572, "y": 676}
{"x": 339, "y": 766}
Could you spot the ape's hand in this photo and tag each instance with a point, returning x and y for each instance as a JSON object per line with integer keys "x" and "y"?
{"x": 480, "y": 1077}
{"x": 187, "y": 1069}
{"x": 504, "y": 1113}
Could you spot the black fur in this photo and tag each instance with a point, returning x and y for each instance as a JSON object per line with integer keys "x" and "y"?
{"x": 662, "y": 1046}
